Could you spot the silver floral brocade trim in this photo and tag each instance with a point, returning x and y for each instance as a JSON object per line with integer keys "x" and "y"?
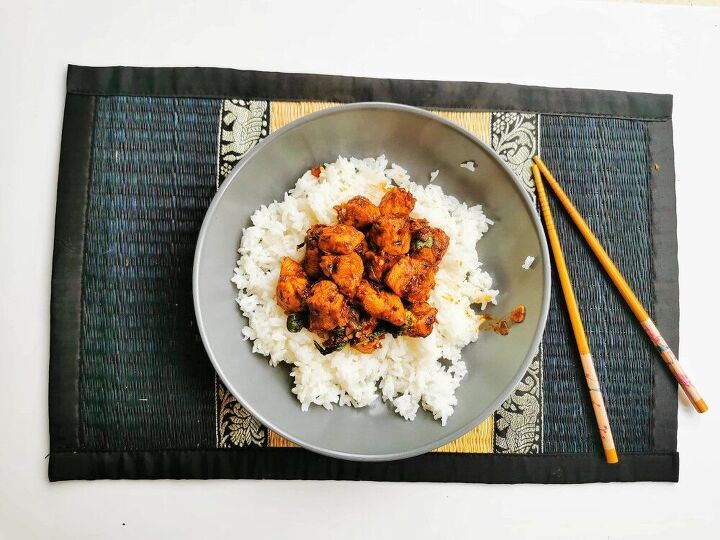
{"x": 515, "y": 139}
{"x": 518, "y": 426}
{"x": 243, "y": 123}
{"x": 518, "y": 421}
{"x": 236, "y": 426}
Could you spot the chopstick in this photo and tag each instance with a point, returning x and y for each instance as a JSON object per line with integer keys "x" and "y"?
{"x": 583, "y": 346}
{"x": 626, "y": 292}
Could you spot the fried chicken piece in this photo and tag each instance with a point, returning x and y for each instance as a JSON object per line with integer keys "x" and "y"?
{"x": 339, "y": 239}
{"x": 391, "y": 235}
{"x": 412, "y": 279}
{"x": 397, "y": 202}
{"x": 327, "y": 308}
{"x": 441, "y": 241}
{"x": 362, "y": 248}
{"x": 311, "y": 263}
{"x": 423, "y": 254}
{"x": 358, "y": 212}
{"x": 377, "y": 264}
{"x": 364, "y": 337}
{"x": 292, "y": 286}
{"x": 345, "y": 270}
{"x": 361, "y": 325}
{"x": 368, "y": 346}
{"x": 381, "y": 304}
{"x": 416, "y": 224}
{"x": 429, "y": 244}
{"x": 423, "y": 319}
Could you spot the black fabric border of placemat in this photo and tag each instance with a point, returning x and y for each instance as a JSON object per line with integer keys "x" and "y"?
{"x": 231, "y": 83}
{"x": 68, "y": 462}
{"x": 68, "y": 254}
{"x": 297, "y": 464}
{"x": 667, "y": 301}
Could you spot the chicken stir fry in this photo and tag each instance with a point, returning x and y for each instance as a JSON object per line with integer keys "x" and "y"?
{"x": 391, "y": 235}
{"x": 358, "y": 212}
{"x": 345, "y": 270}
{"x": 377, "y": 264}
{"x": 328, "y": 308}
{"x": 311, "y": 263}
{"x": 367, "y": 339}
{"x": 292, "y": 286}
{"x": 429, "y": 244}
{"x": 369, "y": 275}
{"x": 381, "y": 304}
{"x": 339, "y": 239}
{"x": 397, "y": 202}
{"x": 422, "y": 320}
{"x": 412, "y": 279}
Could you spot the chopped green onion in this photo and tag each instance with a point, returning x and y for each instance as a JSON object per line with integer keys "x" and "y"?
{"x": 409, "y": 320}
{"x": 420, "y": 243}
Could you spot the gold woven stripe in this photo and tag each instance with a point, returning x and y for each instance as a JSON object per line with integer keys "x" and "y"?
{"x": 276, "y": 441}
{"x": 477, "y": 123}
{"x": 284, "y": 112}
{"x": 480, "y": 439}
{"x": 477, "y": 441}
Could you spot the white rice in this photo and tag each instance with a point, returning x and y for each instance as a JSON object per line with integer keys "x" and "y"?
{"x": 405, "y": 371}
{"x": 469, "y": 165}
{"x": 433, "y": 175}
{"x": 528, "y": 262}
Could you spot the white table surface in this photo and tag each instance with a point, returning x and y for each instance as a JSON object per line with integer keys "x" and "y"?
{"x": 674, "y": 49}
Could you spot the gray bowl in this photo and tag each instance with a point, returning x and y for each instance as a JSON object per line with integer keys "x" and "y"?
{"x": 421, "y": 142}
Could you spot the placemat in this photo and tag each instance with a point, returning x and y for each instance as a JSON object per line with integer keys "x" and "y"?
{"x": 132, "y": 393}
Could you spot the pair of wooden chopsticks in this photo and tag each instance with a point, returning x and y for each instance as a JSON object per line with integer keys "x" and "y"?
{"x": 625, "y": 291}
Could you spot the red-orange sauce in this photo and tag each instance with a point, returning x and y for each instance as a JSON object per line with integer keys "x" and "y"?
{"x": 502, "y": 325}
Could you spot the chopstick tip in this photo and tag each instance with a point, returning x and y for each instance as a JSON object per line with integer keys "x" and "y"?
{"x": 701, "y": 406}
{"x": 611, "y": 455}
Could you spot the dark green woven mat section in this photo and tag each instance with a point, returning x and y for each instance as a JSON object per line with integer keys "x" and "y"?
{"x": 145, "y": 382}
{"x": 603, "y": 164}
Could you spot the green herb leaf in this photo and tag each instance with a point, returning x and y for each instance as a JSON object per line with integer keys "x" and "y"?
{"x": 295, "y": 322}
{"x": 420, "y": 243}
{"x": 329, "y": 350}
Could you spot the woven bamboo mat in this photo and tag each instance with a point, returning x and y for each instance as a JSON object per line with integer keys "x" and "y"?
{"x": 132, "y": 393}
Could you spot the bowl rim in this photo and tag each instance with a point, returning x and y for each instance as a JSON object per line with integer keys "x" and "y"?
{"x": 534, "y": 345}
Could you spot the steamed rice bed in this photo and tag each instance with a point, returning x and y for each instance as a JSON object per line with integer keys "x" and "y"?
{"x": 405, "y": 371}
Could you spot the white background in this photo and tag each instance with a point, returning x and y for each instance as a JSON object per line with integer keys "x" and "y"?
{"x": 578, "y": 44}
